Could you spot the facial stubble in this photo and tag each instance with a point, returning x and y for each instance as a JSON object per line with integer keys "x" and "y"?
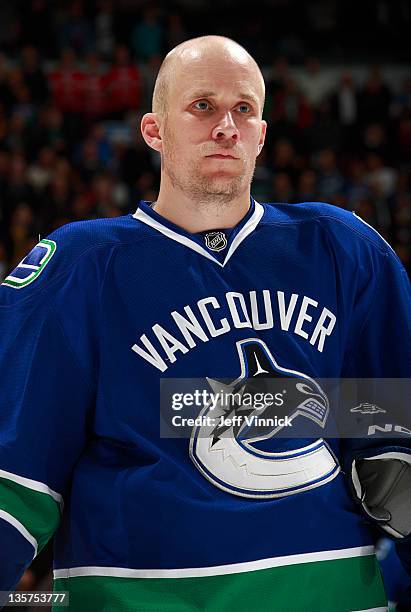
{"x": 195, "y": 184}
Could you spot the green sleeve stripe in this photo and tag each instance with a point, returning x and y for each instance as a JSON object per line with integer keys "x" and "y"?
{"x": 32, "y": 484}
{"x": 38, "y": 512}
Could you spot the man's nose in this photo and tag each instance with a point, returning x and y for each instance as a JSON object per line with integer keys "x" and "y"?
{"x": 226, "y": 129}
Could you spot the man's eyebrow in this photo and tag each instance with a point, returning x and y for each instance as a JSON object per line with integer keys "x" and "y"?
{"x": 250, "y": 97}
{"x": 202, "y": 93}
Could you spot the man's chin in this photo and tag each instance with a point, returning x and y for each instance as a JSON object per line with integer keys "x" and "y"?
{"x": 215, "y": 192}
{"x": 223, "y": 188}
{"x": 222, "y": 181}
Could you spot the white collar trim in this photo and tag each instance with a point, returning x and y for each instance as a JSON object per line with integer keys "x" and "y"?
{"x": 245, "y": 231}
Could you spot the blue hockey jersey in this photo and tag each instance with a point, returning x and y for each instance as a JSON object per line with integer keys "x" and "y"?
{"x": 96, "y": 316}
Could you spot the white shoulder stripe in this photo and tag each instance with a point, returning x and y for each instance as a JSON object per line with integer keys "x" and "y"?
{"x": 374, "y": 230}
{"x": 21, "y": 528}
{"x": 216, "y": 570}
{"x": 35, "y": 485}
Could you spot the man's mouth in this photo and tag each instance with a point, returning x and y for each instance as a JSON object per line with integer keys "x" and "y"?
{"x": 221, "y": 156}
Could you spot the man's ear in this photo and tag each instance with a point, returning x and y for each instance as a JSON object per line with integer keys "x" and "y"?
{"x": 262, "y": 136}
{"x": 150, "y": 130}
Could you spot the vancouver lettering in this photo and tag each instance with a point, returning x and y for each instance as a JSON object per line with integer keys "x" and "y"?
{"x": 210, "y": 318}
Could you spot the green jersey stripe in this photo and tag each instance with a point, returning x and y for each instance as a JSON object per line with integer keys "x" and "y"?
{"x": 217, "y": 570}
{"x": 340, "y": 585}
{"x": 37, "y": 512}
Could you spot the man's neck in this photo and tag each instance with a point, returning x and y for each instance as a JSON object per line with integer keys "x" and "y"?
{"x": 194, "y": 215}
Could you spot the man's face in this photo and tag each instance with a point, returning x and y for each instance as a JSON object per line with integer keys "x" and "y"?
{"x": 212, "y": 131}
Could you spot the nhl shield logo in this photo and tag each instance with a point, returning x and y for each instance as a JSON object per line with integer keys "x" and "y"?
{"x": 216, "y": 241}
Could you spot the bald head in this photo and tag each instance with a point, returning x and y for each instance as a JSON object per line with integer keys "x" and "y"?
{"x": 211, "y": 49}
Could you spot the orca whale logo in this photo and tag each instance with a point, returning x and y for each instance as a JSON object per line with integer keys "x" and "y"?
{"x": 223, "y": 447}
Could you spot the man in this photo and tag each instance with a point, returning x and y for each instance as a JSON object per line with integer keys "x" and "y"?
{"x": 206, "y": 283}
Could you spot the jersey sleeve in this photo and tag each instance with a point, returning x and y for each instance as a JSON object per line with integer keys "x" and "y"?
{"x": 379, "y": 348}
{"x": 47, "y": 370}
{"x": 380, "y": 351}
{"x": 380, "y": 333}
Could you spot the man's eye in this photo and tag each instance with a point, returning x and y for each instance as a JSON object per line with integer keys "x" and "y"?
{"x": 201, "y": 105}
{"x": 243, "y": 108}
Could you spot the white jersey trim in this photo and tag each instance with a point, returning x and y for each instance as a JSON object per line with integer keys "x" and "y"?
{"x": 246, "y": 230}
{"x": 374, "y": 230}
{"x": 384, "y": 609}
{"x": 20, "y": 528}
{"x": 217, "y": 570}
{"x": 35, "y": 485}
{"x": 249, "y": 227}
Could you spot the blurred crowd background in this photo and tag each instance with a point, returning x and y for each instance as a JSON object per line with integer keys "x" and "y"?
{"x": 76, "y": 77}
